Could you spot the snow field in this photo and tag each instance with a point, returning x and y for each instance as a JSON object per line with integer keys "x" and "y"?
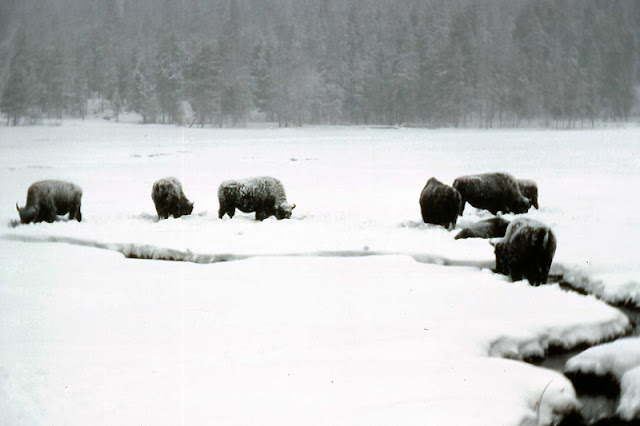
{"x": 354, "y": 187}
{"x": 276, "y": 340}
{"x": 89, "y": 336}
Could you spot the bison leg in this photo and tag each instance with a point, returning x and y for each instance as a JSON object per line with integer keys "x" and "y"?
{"x": 228, "y": 211}
{"x": 515, "y": 274}
{"x": 74, "y": 213}
{"x": 260, "y": 215}
{"x": 162, "y": 214}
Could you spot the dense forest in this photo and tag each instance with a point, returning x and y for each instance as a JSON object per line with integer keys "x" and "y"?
{"x": 484, "y": 63}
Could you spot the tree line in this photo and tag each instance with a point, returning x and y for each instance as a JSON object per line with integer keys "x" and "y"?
{"x": 481, "y": 63}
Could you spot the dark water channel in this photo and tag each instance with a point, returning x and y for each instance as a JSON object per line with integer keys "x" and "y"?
{"x": 598, "y": 395}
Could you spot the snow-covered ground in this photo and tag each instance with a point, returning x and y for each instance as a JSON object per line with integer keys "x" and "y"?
{"x": 88, "y": 335}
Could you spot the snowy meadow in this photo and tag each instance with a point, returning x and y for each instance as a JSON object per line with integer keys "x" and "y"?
{"x": 351, "y": 312}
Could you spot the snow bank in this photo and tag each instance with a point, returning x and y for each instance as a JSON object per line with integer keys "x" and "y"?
{"x": 615, "y": 358}
{"x": 608, "y": 370}
{"x": 87, "y": 334}
{"x": 629, "y": 407}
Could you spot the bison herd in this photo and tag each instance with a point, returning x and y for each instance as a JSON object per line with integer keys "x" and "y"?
{"x": 525, "y": 249}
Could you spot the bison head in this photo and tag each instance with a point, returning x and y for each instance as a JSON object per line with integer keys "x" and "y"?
{"x": 186, "y": 208}
{"x": 500, "y": 252}
{"x": 27, "y": 214}
{"x": 284, "y": 211}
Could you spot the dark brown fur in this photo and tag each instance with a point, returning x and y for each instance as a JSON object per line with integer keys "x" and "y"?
{"x": 169, "y": 198}
{"x": 263, "y": 195}
{"x": 440, "y": 204}
{"x": 529, "y": 189}
{"x": 526, "y": 251}
{"x": 496, "y": 192}
{"x": 48, "y": 199}
{"x": 488, "y": 228}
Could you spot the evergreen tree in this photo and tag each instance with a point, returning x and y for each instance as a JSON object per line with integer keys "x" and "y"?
{"x": 202, "y": 83}
{"x": 16, "y": 96}
{"x": 263, "y": 88}
{"x": 116, "y": 104}
{"x": 143, "y": 98}
{"x": 169, "y": 78}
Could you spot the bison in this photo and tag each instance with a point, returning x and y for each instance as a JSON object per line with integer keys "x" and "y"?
{"x": 263, "y": 195}
{"x": 529, "y": 190}
{"x": 440, "y": 204}
{"x": 488, "y": 228}
{"x": 47, "y": 199}
{"x": 169, "y": 198}
{"x": 526, "y": 250}
{"x": 496, "y": 192}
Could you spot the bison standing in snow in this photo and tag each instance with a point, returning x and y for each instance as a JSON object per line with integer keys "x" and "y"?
{"x": 529, "y": 190}
{"x": 488, "y": 228}
{"x": 526, "y": 250}
{"x": 47, "y": 199}
{"x": 440, "y": 204}
{"x": 169, "y": 198}
{"x": 263, "y": 195}
{"x": 496, "y": 192}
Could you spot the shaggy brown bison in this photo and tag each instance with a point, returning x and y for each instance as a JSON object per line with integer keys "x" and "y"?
{"x": 526, "y": 251}
{"x": 440, "y": 204}
{"x": 169, "y": 198}
{"x": 496, "y": 192}
{"x": 47, "y": 199}
{"x": 488, "y": 228}
{"x": 529, "y": 189}
{"x": 263, "y": 195}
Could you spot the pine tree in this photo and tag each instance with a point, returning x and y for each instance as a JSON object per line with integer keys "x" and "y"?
{"x": 116, "y": 103}
{"x": 16, "y": 96}
{"x": 143, "y": 98}
{"x": 263, "y": 87}
{"x": 202, "y": 83}
{"x": 169, "y": 78}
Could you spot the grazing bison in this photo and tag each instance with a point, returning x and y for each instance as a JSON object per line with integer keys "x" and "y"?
{"x": 169, "y": 198}
{"x": 47, "y": 199}
{"x": 440, "y": 204}
{"x": 529, "y": 190}
{"x": 263, "y": 195}
{"x": 526, "y": 250}
{"x": 496, "y": 192}
{"x": 488, "y": 228}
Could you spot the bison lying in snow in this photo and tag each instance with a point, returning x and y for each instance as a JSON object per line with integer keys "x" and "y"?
{"x": 526, "y": 250}
{"x": 263, "y": 195}
{"x": 529, "y": 190}
{"x": 440, "y": 204}
{"x": 496, "y": 192}
{"x": 47, "y": 199}
{"x": 169, "y": 198}
{"x": 488, "y": 228}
